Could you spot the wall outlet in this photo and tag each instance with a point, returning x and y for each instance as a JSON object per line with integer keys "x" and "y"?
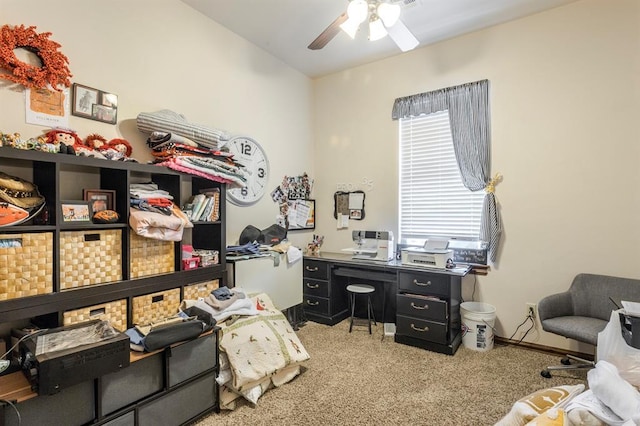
{"x": 532, "y": 310}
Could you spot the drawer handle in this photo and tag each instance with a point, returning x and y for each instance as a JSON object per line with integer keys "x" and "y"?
{"x": 419, "y": 329}
{"x": 309, "y": 285}
{"x": 416, "y": 282}
{"x": 414, "y": 306}
{"x": 310, "y": 303}
{"x": 311, "y": 269}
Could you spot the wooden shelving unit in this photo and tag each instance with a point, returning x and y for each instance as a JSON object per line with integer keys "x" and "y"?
{"x": 62, "y": 177}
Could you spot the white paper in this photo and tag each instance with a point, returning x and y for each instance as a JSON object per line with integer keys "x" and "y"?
{"x": 47, "y": 107}
{"x": 631, "y": 308}
{"x": 343, "y": 221}
{"x": 356, "y": 201}
{"x": 293, "y": 254}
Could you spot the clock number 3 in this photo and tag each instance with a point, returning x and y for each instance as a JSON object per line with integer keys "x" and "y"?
{"x": 261, "y": 172}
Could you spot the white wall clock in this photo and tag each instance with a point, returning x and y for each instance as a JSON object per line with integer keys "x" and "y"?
{"x": 252, "y": 156}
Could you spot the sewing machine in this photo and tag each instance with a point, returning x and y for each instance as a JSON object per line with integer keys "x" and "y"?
{"x": 434, "y": 254}
{"x": 373, "y": 245}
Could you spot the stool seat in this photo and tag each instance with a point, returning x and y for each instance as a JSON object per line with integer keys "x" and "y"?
{"x": 360, "y": 288}
{"x": 364, "y": 289}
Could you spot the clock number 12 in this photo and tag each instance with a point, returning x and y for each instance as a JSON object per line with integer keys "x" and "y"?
{"x": 245, "y": 149}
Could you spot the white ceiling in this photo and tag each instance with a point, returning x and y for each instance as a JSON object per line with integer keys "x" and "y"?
{"x": 285, "y": 28}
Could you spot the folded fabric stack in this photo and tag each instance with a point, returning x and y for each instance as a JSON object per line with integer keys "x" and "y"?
{"x": 189, "y": 148}
{"x": 223, "y": 303}
{"x": 174, "y": 123}
{"x": 154, "y": 215}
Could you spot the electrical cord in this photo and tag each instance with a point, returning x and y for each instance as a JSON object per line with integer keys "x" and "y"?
{"x": 12, "y": 405}
{"x": 533, "y": 323}
{"x": 26, "y": 336}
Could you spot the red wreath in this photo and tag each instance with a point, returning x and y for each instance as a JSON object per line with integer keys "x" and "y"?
{"x": 54, "y": 70}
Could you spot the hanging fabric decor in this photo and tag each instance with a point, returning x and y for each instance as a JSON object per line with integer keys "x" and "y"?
{"x": 53, "y": 71}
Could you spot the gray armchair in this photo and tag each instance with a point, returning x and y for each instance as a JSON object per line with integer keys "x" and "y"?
{"x": 583, "y": 311}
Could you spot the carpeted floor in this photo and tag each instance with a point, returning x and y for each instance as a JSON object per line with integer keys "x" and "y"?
{"x": 358, "y": 379}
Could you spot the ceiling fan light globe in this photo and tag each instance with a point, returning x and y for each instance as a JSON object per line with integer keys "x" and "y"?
{"x": 358, "y": 10}
{"x": 389, "y": 13}
{"x": 376, "y": 30}
{"x": 350, "y": 27}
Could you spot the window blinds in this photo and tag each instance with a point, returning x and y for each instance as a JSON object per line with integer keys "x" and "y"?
{"x": 433, "y": 200}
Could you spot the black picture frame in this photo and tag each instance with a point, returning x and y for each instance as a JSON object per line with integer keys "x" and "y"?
{"x": 100, "y": 199}
{"x": 75, "y": 212}
{"x": 301, "y": 210}
{"x": 94, "y": 104}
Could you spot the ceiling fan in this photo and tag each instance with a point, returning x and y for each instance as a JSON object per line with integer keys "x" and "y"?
{"x": 383, "y": 17}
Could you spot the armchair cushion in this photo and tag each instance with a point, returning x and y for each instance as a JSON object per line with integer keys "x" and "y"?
{"x": 583, "y": 329}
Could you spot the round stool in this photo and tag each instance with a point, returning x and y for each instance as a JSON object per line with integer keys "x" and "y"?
{"x": 354, "y": 290}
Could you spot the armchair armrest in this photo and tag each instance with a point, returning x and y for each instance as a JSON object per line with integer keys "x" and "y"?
{"x": 555, "y": 305}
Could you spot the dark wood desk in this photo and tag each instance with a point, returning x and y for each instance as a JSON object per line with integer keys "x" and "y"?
{"x": 424, "y": 303}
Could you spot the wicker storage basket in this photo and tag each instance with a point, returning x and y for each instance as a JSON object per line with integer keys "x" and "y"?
{"x": 90, "y": 257}
{"x": 155, "y": 306}
{"x": 204, "y": 289}
{"x": 115, "y": 312}
{"x": 26, "y": 265}
{"x": 151, "y": 257}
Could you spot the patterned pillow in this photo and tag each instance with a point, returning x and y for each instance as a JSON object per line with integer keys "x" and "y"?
{"x": 531, "y": 406}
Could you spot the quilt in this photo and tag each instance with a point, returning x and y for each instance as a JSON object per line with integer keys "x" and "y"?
{"x": 256, "y": 353}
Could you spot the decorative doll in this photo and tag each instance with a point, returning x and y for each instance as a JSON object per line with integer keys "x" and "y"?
{"x": 64, "y": 139}
{"x": 117, "y": 149}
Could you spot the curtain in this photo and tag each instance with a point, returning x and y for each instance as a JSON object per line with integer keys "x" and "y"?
{"x": 468, "y": 107}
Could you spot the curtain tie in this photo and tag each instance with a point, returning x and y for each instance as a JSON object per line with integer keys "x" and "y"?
{"x": 491, "y": 186}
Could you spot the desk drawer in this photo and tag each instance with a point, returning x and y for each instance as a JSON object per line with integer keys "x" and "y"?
{"x": 424, "y": 283}
{"x": 421, "y": 329}
{"x": 315, "y": 269}
{"x": 315, "y": 287}
{"x": 316, "y": 305}
{"x": 420, "y": 307}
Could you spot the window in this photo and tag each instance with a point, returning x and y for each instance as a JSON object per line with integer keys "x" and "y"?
{"x": 433, "y": 200}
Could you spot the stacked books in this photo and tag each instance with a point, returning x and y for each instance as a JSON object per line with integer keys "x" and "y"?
{"x": 204, "y": 207}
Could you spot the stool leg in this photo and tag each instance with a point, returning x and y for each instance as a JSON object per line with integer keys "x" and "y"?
{"x": 353, "y": 308}
{"x": 369, "y": 311}
{"x": 373, "y": 313}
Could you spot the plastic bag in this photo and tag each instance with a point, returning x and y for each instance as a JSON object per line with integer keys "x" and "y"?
{"x": 613, "y": 348}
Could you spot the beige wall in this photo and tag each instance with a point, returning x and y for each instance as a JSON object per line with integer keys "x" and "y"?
{"x": 565, "y": 106}
{"x": 157, "y": 54}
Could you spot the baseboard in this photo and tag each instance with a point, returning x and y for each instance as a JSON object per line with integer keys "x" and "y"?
{"x": 541, "y": 348}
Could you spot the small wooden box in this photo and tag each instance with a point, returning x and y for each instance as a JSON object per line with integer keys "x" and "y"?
{"x": 26, "y": 265}
{"x": 150, "y": 256}
{"x": 203, "y": 289}
{"x": 90, "y": 257}
{"x": 155, "y": 306}
{"x": 115, "y": 312}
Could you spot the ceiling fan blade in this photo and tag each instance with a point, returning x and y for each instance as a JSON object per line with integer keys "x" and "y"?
{"x": 328, "y": 34}
{"x": 401, "y": 35}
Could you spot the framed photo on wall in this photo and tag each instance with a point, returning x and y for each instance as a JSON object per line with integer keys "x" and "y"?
{"x": 84, "y": 98}
{"x": 100, "y": 199}
{"x": 94, "y": 104}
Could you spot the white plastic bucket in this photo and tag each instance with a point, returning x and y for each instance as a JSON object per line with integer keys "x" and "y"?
{"x": 477, "y": 325}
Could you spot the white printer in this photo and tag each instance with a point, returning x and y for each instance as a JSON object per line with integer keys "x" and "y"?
{"x": 434, "y": 254}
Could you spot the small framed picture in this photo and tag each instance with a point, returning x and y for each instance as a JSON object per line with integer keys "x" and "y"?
{"x": 100, "y": 199}
{"x": 75, "y": 212}
{"x": 84, "y": 98}
{"x": 94, "y": 104}
{"x": 105, "y": 113}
